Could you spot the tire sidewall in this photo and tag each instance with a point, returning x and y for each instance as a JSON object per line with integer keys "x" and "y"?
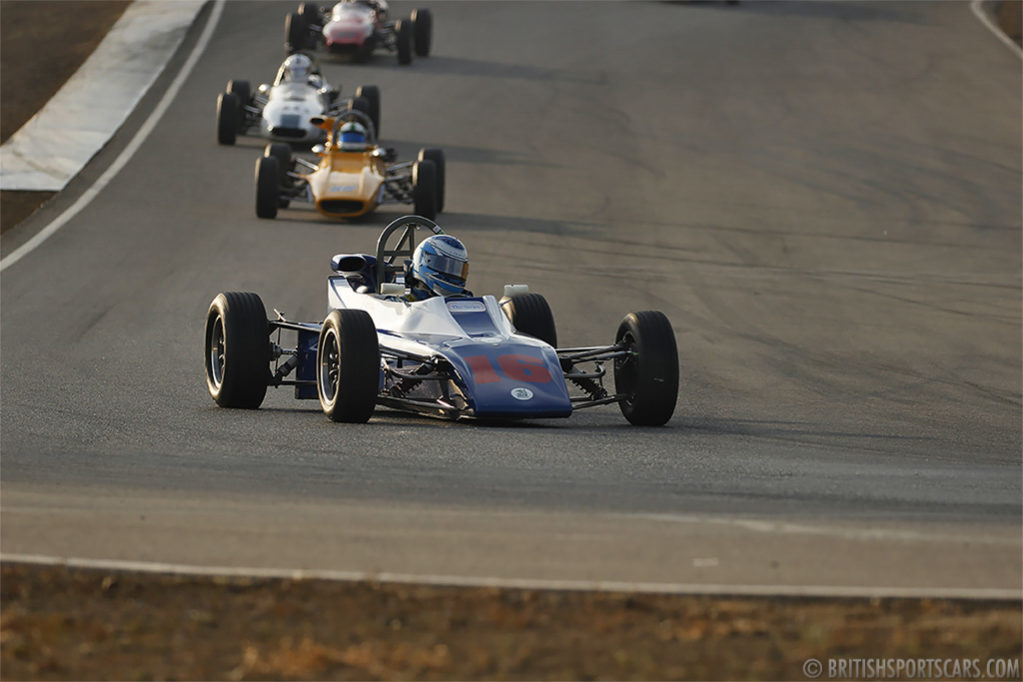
{"x": 424, "y": 188}
{"x": 227, "y": 118}
{"x": 437, "y": 156}
{"x": 651, "y": 376}
{"x": 242, "y": 317}
{"x": 350, "y": 334}
{"x": 267, "y": 188}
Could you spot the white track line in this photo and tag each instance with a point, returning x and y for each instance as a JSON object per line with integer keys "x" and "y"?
{"x": 98, "y": 98}
{"x": 128, "y": 151}
{"x": 978, "y": 10}
{"x": 840, "y": 591}
{"x": 869, "y": 533}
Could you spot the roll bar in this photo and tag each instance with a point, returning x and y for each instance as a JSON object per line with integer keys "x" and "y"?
{"x": 406, "y": 246}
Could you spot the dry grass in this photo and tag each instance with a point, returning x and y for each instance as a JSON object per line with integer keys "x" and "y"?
{"x": 59, "y": 623}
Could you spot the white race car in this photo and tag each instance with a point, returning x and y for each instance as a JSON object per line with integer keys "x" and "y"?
{"x": 281, "y": 112}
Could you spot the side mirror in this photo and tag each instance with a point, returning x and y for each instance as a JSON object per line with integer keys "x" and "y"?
{"x": 319, "y": 149}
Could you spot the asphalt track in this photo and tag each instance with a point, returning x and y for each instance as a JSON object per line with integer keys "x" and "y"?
{"x": 824, "y": 199}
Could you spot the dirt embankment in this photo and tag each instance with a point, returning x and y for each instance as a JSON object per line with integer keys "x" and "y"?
{"x": 62, "y": 623}
{"x": 42, "y": 43}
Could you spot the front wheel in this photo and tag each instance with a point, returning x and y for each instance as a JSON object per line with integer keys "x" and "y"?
{"x": 268, "y": 192}
{"x": 282, "y": 152}
{"x": 403, "y": 37}
{"x": 237, "y": 350}
{"x": 348, "y": 366}
{"x": 437, "y": 156}
{"x": 424, "y": 189}
{"x": 646, "y": 378}
{"x": 227, "y": 118}
{"x": 243, "y": 91}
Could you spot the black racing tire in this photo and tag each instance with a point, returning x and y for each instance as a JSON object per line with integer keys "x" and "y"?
{"x": 360, "y": 104}
{"x": 268, "y": 191}
{"x": 371, "y": 94}
{"x": 437, "y": 156}
{"x": 282, "y": 152}
{"x": 296, "y": 32}
{"x": 227, "y": 118}
{"x": 403, "y": 38}
{"x": 348, "y": 366}
{"x": 243, "y": 91}
{"x": 422, "y": 30}
{"x": 530, "y": 314}
{"x": 237, "y": 350}
{"x": 647, "y": 378}
{"x": 424, "y": 189}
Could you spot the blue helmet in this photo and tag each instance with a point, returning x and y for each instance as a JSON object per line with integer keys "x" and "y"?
{"x": 352, "y": 136}
{"x": 441, "y": 263}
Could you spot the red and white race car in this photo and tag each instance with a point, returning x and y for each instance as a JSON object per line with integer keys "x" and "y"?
{"x": 357, "y": 28}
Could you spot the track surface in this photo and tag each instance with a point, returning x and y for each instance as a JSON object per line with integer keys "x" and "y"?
{"x": 823, "y": 198}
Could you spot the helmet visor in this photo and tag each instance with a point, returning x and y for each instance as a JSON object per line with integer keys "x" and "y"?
{"x": 449, "y": 269}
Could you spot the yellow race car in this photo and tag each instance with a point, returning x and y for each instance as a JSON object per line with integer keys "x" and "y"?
{"x": 354, "y": 174}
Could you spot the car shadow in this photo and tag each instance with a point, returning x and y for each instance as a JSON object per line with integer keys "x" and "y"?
{"x": 903, "y": 13}
{"x": 483, "y": 222}
{"x": 408, "y": 149}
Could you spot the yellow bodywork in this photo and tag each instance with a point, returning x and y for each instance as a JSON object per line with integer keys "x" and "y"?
{"x": 347, "y": 184}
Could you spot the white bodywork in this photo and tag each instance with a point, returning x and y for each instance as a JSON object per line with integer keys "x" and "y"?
{"x": 290, "y": 106}
{"x": 419, "y": 327}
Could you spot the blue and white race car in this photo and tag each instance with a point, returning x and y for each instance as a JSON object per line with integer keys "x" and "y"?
{"x": 445, "y": 356}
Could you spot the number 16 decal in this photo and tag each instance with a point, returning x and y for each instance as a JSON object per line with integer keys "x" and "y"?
{"x": 518, "y": 367}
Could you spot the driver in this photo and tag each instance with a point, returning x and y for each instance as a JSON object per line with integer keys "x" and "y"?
{"x": 352, "y": 137}
{"x": 301, "y": 68}
{"x": 440, "y": 266}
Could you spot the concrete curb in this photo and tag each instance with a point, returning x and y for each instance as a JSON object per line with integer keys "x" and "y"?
{"x": 737, "y": 590}
{"x": 56, "y": 143}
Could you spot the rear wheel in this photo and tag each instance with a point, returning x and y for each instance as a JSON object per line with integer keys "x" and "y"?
{"x": 422, "y": 28}
{"x": 437, "y": 156}
{"x": 282, "y": 152}
{"x": 268, "y": 190}
{"x": 371, "y": 94}
{"x": 403, "y": 37}
{"x": 530, "y": 314}
{"x": 424, "y": 189}
{"x": 348, "y": 366}
{"x": 360, "y": 104}
{"x": 237, "y": 350}
{"x": 227, "y": 118}
{"x": 295, "y": 32}
{"x": 647, "y": 377}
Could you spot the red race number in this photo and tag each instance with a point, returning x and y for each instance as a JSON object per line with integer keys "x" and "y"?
{"x": 525, "y": 368}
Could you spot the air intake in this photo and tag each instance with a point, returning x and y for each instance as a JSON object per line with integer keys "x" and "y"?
{"x": 340, "y": 206}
